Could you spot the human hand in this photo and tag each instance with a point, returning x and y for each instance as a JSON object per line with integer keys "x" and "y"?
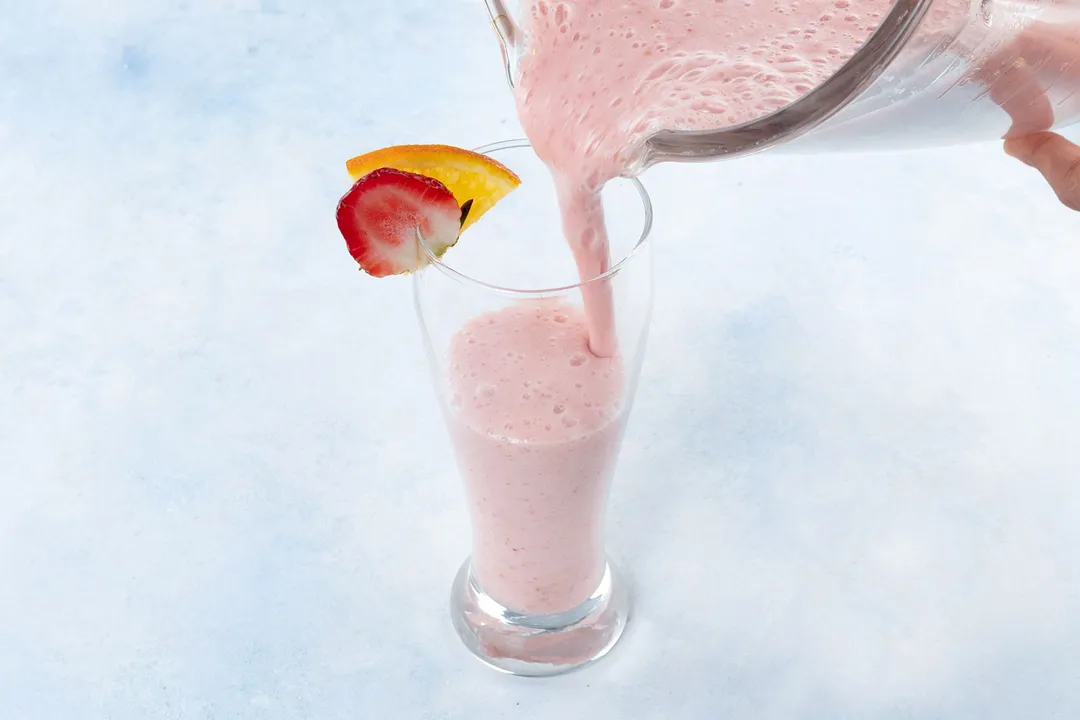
{"x": 1056, "y": 158}
{"x": 1034, "y": 78}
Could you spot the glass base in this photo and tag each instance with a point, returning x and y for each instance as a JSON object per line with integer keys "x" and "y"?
{"x": 538, "y": 645}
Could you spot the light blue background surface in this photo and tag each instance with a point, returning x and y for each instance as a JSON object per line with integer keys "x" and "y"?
{"x": 850, "y": 486}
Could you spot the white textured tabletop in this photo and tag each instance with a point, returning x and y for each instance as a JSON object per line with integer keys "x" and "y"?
{"x": 851, "y": 485}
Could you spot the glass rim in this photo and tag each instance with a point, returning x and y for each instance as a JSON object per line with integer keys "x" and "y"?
{"x": 615, "y": 269}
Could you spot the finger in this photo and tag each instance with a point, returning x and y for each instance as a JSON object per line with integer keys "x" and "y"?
{"x": 1019, "y": 93}
{"x": 1035, "y": 76}
{"x": 1056, "y": 158}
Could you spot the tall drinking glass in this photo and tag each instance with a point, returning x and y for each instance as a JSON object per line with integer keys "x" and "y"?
{"x": 536, "y": 419}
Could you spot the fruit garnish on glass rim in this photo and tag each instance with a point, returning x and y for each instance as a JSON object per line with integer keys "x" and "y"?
{"x": 436, "y": 190}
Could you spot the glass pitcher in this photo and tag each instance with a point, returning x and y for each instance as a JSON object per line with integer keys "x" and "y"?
{"x": 935, "y": 72}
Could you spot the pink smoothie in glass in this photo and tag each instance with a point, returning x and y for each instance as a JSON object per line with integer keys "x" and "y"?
{"x": 536, "y": 421}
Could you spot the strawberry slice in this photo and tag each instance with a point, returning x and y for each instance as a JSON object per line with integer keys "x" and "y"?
{"x": 382, "y": 212}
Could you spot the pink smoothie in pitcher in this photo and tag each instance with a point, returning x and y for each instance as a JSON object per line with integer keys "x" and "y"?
{"x": 599, "y": 77}
{"x": 536, "y": 422}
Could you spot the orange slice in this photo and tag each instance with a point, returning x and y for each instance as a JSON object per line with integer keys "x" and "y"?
{"x": 467, "y": 174}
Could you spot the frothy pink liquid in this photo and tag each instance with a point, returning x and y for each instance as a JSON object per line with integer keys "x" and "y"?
{"x": 538, "y": 388}
{"x": 536, "y": 421}
{"x": 599, "y": 77}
